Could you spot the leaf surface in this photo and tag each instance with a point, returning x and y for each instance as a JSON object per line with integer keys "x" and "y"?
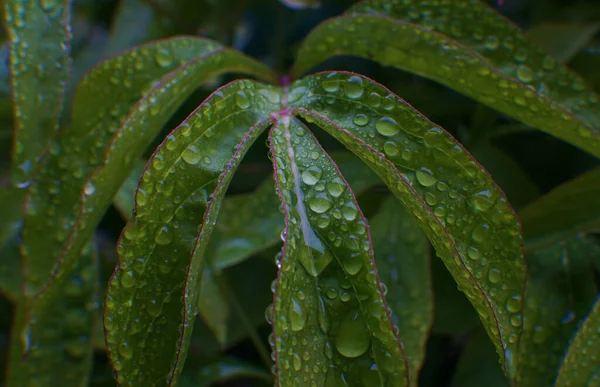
{"x": 226, "y": 369}
{"x": 560, "y": 292}
{"x": 11, "y": 206}
{"x": 56, "y": 350}
{"x": 39, "y": 35}
{"x": 402, "y": 257}
{"x": 330, "y": 322}
{"x": 580, "y": 367}
{"x": 179, "y": 194}
{"x": 476, "y": 52}
{"x": 119, "y": 108}
{"x": 456, "y": 203}
{"x": 563, "y": 212}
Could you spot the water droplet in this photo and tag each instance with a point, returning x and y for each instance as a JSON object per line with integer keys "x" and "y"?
{"x": 191, "y": 155}
{"x": 242, "y": 100}
{"x": 331, "y": 85}
{"x": 297, "y": 362}
{"x": 349, "y": 211}
{"x": 89, "y": 188}
{"x": 312, "y": 175}
{"x": 336, "y": 187}
{"x": 352, "y": 339}
{"x": 354, "y": 87}
{"x": 387, "y": 126}
{"x": 320, "y": 203}
{"x": 513, "y": 304}
{"x": 425, "y": 177}
{"x": 128, "y": 279}
{"x": 360, "y": 120}
{"x": 125, "y": 350}
{"x": 524, "y": 74}
{"x": 163, "y": 58}
{"x": 164, "y": 237}
{"x": 473, "y": 253}
{"x": 494, "y": 275}
{"x": 390, "y": 148}
{"x": 297, "y": 315}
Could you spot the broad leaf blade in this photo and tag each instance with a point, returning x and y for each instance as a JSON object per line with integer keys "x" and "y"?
{"x": 179, "y": 194}
{"x": 563, "y": 212}
{"x": 560, "y": 291}
{"x": 581, "y": 364}
{"x": 458, "y": 206}
{"x": 476, "y": 52}
{"x": 57, "y": 349}
{"x": 40, "y": 35}
{"x": 119, "y": 108}
{"x": 402, "y": 256}
{"x": 330, "y": 322}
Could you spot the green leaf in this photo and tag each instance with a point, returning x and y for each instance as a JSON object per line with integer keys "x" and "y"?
{"x": 57, "y": 348}
{"x": 179, "y": 194}
{"x": 476, "y": 52}
{"x": 11, "y": 208}
{"x": 402, "y": 256}
{"x": 226, "y": 369}
{"x": 118, "y": 109}
{"x": 39, "y": 35}
{"x": 248, "y": 223}
{"x": 563, "y": 212}
{"x": 581, "y": 364}
{"x": 456, "y": 203}
{"x": 478, "y": 365}
{"x": 560, "y": 291}
{"x": 301, "y": 4}
{"x": 330, "y": 321}
{"x": 213, "y": 305}
{"x": 563, "y": 40}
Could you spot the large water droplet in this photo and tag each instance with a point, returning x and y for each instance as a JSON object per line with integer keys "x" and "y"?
{"x": 387, "y": 126}
{"x": 165, "y": 236}
{"x": 354, "y": 87}
{"x": 425, "y": 177}
{"x": 125, "y": 350}
{"x": 336, "y": 187}
{"x": 352, "y": 339}
{"x": 242, "y": 100}
{"x": 360, "y": 119}
{"x": 312, "y": 175}
{"x": 298, "y": 315}
{"x": 163, "y": 58}
{"x": 320, "y": 203}
{"x": 191, "y": 155}
{"x": 524, "y": 74}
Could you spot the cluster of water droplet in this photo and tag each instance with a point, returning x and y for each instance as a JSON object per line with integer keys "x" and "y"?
{"x": 330, "y": 321}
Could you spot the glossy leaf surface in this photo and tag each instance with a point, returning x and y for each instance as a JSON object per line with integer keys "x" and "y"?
{"x": 458, "y": 206}
{"x": 560, "y": 292}
{"x": 182, "y": 188}
{"x": 119, "y": 108}
{"x": 402, "y": 257}
{"x": 330, "y": 322}
{"x": 40, "y": 35}
{"x": 582, "y": 360}
{"x": 476, "y": 52}
{"x": 563, "y": 212}
{"x": 57, "y": 349}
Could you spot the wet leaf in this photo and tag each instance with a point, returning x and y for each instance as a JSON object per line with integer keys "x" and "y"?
{"x": 57, "y": 349}
{"x": 476, "y": 52}
{"x": 560, "y": 292}
{"x": 118, "y": 109}
{"x": 582, "y": 360}
{"x": 330, "y": 322}
{"x": 39, "y": 35}
{"x": 456, "y": 203}
{"x": 563, "y": 212}
{"x": 179, "y": 194}
{"x": 402, "y": 257}
{"x": 250, "y": 223}
{"x": 124, "y": 200}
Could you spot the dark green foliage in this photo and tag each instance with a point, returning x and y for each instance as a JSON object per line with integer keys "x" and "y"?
{"x": 383, "y": 251}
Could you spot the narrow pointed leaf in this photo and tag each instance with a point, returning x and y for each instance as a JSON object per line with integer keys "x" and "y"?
{"x": 119, "y": 108}
{"x": 179, "y": 194}
{"x": 560, "y": 292}
{"x": 563, "y": 212}
{"x": 476, "y": 52}
{"x": 582, "y": 360}
{"x": 330, "y": 321}
{"x": 248, "y": 223}
{"x": 402, "y": 256}
{"x": 459, "y": 207}
{"x": 57, "y": 349}
{"x": 39, "y": 35}
{"x": 227, "y": 369}
{"x": 563, "y": 40}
